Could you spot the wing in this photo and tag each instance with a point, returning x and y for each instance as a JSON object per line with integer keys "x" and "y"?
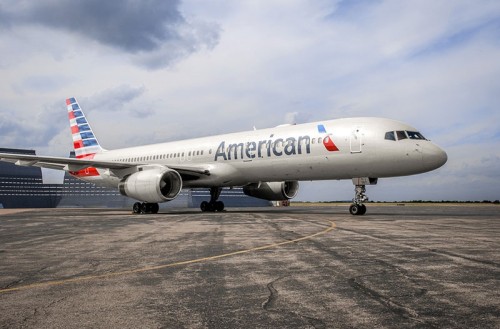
{"x": 71, "y": 164}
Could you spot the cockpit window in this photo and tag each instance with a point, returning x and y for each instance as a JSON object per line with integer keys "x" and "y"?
{"x": 401, "y": 134}
{"x": 415, "y": 135}
{"x": 390, "y": 136}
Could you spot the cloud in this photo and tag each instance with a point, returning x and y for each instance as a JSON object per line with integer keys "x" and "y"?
{"x": 153, "y": 32}
{"x": 297, "y": 117}
{"x": 116, "y": 100}
{"x": 41, "y": 83}
{"x": 190, "y": 39}
{"x": 34, "y": 130}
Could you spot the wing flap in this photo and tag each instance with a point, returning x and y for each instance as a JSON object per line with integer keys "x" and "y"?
{"x": 25, "y": 163}
{"x": 193, "y": 169}
{"x": 50, "y": 165}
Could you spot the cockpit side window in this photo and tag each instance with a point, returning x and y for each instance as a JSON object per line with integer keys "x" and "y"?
{"x": 401, "y": 135}
{"x": 390, "y": 136}
{"x": 415, "y": 135}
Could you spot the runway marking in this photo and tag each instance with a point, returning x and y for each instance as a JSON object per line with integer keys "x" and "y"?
{"x": 158, "y": 267}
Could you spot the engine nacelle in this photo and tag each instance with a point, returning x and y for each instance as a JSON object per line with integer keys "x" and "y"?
{"x": 152, "y": 185}
{"x": 273, "y": 191}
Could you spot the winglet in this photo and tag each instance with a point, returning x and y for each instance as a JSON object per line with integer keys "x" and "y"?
{"x": 84, "y": 140}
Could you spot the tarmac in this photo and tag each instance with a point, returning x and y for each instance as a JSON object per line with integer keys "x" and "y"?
{"x": 400, "y": 266}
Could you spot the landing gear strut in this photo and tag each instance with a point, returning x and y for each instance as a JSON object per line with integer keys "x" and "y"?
{"x": 145, "y": 208}
{"x": 213, "y": 205}
{"x": 357, "y": 207}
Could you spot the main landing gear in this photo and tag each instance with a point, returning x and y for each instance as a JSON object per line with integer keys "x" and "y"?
{"x": 213, "y": 205}
{"x": 145, "y": 208}
{"x": 357, "y": 207}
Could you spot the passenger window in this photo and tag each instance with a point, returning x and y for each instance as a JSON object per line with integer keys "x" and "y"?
{"x": 390, "y": 136}
{"x": 401, "y": 135}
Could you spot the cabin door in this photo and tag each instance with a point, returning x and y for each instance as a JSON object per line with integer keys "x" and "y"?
{"x": 356, "y": 141}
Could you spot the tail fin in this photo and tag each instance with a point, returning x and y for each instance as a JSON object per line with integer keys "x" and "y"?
{"x": 84, "y": 141}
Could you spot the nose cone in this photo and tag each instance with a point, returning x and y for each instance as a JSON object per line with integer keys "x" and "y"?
{"x": 433, "y": 157}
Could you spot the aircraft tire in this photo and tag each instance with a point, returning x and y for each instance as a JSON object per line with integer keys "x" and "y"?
{"x": 154, "y": 208}
{"x": 219, "y": 206}
{"x": 144, "y": 208}
{"x": 136, "y": 209}
{"x": 204, "y": 206}
{"x": 357, "y": 210}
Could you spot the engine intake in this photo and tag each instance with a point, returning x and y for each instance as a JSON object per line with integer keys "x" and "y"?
{"x": 153, "y": 185}
{"x": 273, "y": 191}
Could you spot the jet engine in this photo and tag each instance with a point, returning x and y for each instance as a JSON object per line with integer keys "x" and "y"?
{"x": 152, "y": 185}
{"x": 272, "y": 191}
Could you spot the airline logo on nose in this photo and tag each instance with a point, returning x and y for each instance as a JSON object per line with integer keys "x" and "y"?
{"x": 327, "y": 141}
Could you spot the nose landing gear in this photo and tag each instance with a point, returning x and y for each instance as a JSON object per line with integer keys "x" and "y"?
{"x": 213, "y": 205}
{"x": 358, "y": 208}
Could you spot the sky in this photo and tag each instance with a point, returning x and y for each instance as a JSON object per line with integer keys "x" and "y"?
{"x": 153, "y": 70}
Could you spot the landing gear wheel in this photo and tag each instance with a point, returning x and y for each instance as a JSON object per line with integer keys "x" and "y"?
{"x": 357, "y": 209}
{"x": 145, "y": 208}
{"x": 154, "y": 208}
{"x": 136, "y": 209}
{"x": 354, "y": 209}
{"x": 219, "y": 206}
{"x": 213, "y": 205}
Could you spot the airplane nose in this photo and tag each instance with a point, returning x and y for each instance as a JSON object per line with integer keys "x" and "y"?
{"x": 433, "y": 157}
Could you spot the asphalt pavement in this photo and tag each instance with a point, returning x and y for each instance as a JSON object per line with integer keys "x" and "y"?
{"x": 291, "y": 267}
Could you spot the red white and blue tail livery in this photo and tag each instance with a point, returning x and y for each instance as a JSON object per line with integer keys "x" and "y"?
{"x": 267, "y": 163}
{"x": 84, "y": 140}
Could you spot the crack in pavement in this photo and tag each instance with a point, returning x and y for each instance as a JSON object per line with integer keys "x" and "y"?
{"x": 273, "y": 296}
{"x": 23, "y": 279}
{"x": 395, "y": 307}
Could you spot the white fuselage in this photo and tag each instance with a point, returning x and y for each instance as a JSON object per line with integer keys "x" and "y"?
{"x": 290, "y": 153}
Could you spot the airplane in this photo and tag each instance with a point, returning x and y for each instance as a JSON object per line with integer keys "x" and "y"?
{"x": 267, "y": 163}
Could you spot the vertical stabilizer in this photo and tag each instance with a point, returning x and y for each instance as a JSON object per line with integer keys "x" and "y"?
{"x": 84, "y": 140}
